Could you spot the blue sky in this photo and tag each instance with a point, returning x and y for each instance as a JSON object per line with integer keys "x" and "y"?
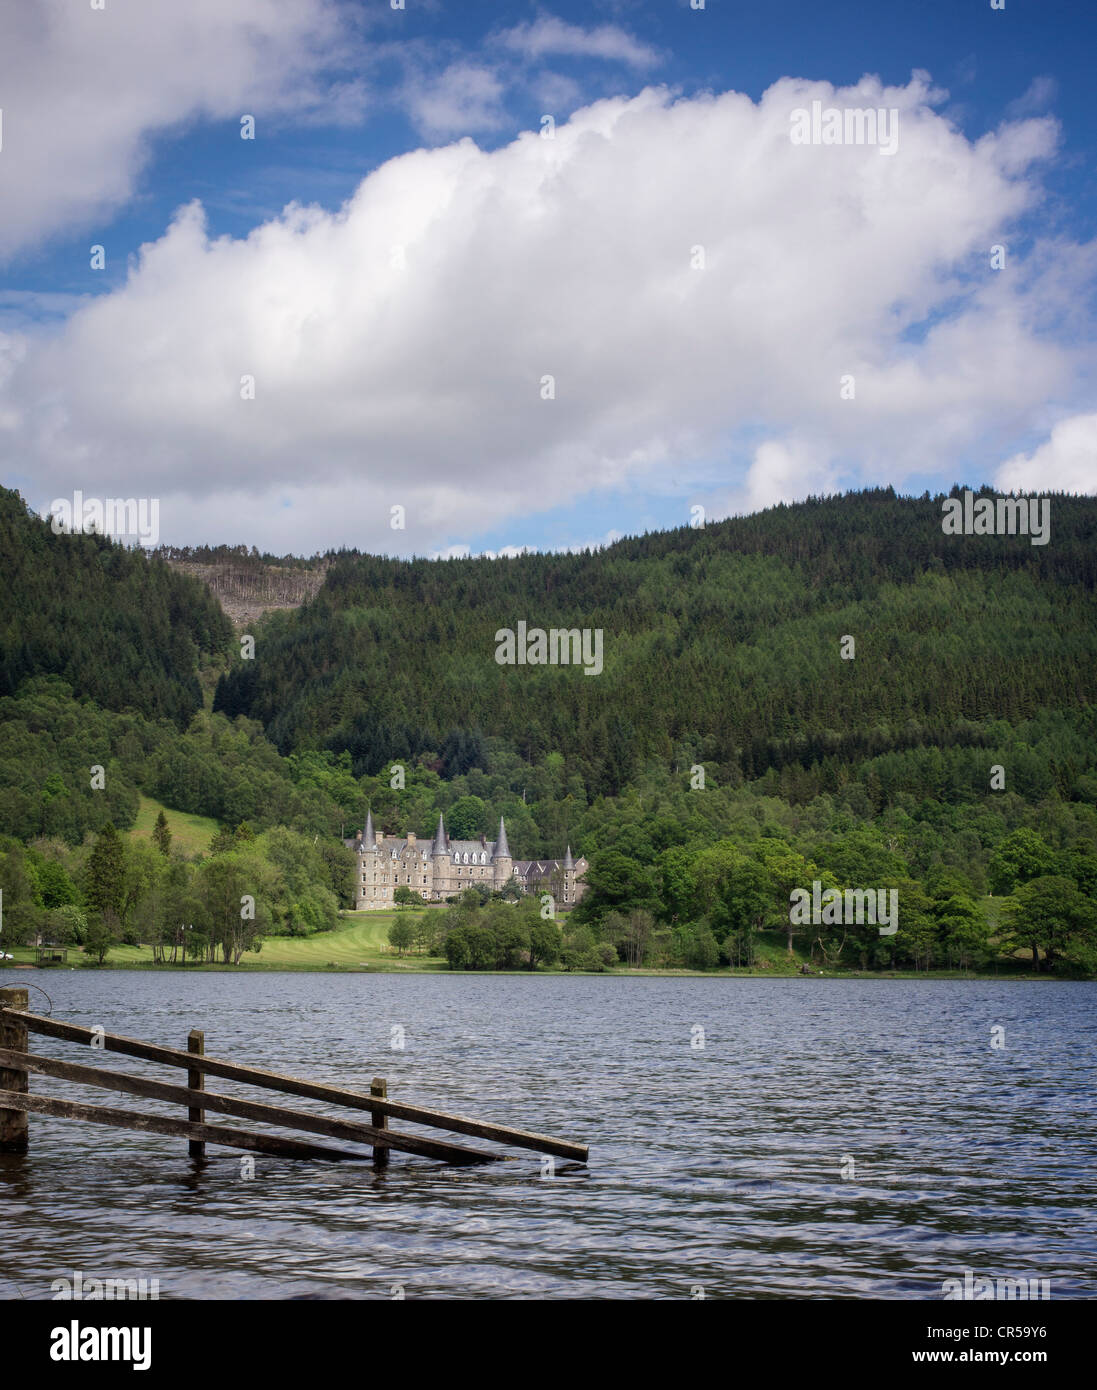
{"x": 150, "y": 125}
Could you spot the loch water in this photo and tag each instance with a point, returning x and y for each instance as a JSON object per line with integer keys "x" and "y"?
{"x": 750, "y": 1138}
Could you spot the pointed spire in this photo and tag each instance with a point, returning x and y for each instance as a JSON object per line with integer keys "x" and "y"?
{"x": 369, "y": 839}
{"x": 569, "y": 863}
{"x": 502, "y": 849}
{"x": 440, "y": 844}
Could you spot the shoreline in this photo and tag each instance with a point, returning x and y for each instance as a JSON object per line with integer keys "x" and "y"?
{"x": 212, "y": 968}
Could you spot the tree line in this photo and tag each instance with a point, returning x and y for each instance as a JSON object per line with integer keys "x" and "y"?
{"x": 728, "y": 904}
{"x": 117, "y": 890}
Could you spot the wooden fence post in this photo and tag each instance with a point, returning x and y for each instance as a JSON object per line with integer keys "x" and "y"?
{"x": 196, "y": 1043}
{"x": 14, "y": 1128}
{"x": 379, "y": 1087}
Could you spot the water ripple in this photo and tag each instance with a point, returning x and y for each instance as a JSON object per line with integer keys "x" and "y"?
{"x": 832, "y": 1139}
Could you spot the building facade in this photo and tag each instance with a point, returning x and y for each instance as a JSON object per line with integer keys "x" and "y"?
{"x": 441, "y": 868}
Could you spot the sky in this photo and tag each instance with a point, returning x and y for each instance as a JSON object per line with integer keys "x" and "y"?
{"x": 473, "y": 276}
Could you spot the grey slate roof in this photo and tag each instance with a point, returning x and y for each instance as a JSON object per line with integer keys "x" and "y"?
{"x": 495, "y": 849}
{"x": 472, "y": 846}
{"x": 541, "y": 868}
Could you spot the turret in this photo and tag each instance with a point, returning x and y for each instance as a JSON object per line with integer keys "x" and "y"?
{"x": 501, "y": 860}
{"x": 569, "y": 878}
{"x": 439, "y": 857}
{"x": 365, "y": 842}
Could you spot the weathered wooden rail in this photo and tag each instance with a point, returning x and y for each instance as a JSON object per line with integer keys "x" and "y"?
{"x": 18, "y": 1063}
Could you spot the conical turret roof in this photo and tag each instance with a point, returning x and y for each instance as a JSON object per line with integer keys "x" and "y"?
{"x": 502, "y": 849}
{"x": 569, "y": 863}
{"x": 369, "y": 838}
{"x": 440, "y": 844}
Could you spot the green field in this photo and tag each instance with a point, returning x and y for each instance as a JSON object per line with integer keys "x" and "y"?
{"x": 191, "y": 834}
{"x": 359, "y": 943}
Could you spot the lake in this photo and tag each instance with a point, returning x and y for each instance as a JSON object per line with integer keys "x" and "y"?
{"x": 751, "y": 1138}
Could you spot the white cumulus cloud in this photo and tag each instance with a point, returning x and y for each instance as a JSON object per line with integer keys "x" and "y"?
{"x": 83, "y": 91}
{"x": 782, "y": 470}
{"x": 483, "y": 336}
{"x": 1066, "y": 462}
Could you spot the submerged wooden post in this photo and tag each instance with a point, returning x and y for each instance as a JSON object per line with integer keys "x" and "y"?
{"x": 196, "y": 1043}
{"x": 379, "y": 1087}
{"x": 14, "y": 1129}
{"x": 19, "y": 1061}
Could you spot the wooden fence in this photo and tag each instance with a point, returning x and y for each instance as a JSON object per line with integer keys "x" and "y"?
{"x": 17, "y": 1064}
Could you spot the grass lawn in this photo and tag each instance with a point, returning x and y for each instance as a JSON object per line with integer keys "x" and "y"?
{"x": 192, "y": 834}
{"x": 361, "y": 940}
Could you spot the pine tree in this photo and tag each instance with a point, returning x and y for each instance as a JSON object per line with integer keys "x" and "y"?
{"x": 161, "y": 833}
{"x": 105, "y": 885}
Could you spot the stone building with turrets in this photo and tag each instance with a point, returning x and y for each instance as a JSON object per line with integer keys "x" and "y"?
{"x": 441, "y": 868}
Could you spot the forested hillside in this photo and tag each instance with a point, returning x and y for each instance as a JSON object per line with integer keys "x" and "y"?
{"x": 722, "y": 645}
{"x": 118, "y": 625}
